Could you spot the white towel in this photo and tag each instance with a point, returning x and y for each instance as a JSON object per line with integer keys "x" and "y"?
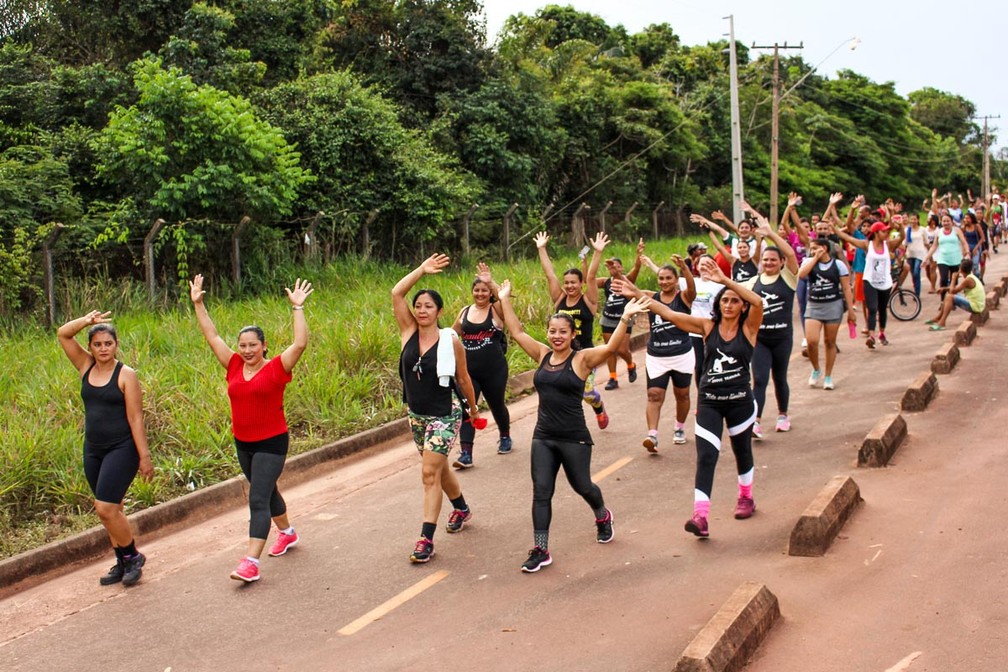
{"x": 446, "y": 356}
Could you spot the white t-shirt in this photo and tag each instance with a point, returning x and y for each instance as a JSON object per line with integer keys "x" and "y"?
{"x": 703, "y": 304}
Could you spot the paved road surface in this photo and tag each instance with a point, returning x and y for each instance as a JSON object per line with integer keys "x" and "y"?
{"x": 917, "y": 576}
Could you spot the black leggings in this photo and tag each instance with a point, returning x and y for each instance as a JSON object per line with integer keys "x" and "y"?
{"x": 877, "y": 303}
{"x": 547, "y": 458}
{"x": 945, "y": 273}
{"x": 109, "y": 471}
{"x": 491, "y": 382}
{"x": 262, "y": 470}
{"x": 771, "y": 357}
{"x": 698, "y": 353}
{"x": 739, "y": 415}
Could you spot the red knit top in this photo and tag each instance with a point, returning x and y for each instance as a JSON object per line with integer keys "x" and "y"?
{"x": 257, "y": 405}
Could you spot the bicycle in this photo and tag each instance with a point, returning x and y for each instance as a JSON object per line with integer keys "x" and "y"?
{"x": 903, "y": 303}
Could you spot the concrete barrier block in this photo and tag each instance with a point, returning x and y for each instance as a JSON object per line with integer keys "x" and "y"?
{"x": 822, "y": 519}
{"x": 945, "y": 359}
{"x": 965, "y": 334}
{"x": 1004, "y": 285}
{"x": 521, "y": 383}
{"x": 980, "y": 318}
{"x": 993, "y": 299}
{"x": 882, "y": 441}
{"x": 920, "y": 393}
{"x": 729, "y": 639}
{"x": 997, "y": 289}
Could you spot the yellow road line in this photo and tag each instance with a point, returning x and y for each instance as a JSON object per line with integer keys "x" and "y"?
{"x": 397, "y": 601}
{"x": 618, "y": 464}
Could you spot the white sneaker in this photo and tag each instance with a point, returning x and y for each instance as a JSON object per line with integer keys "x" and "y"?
{"x": 813, "y": 380}
{"x": 757, "y": 431}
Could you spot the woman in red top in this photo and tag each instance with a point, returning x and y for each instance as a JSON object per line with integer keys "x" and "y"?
{"x": 255, "y": 388}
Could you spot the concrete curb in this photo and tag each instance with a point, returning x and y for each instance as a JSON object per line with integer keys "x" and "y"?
{"x": 945, "y": 359}
{"x": 965, "y": 333}
{"x": 922, "y": 390}
{"x": 734, "y": 633}
{"x": 992, "y": 300}
{"x": 1004, "y": 285}
{"x": 821, "y": 521}
{"x": 882, "y": 441}
{"x": 981, "y": 317}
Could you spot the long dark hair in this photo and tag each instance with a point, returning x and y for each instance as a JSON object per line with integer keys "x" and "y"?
{"x": 716, "y": 308}
{"x": 103, "y": 328}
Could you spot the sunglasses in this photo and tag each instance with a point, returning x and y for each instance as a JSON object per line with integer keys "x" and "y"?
{"x": 417, "y": 369}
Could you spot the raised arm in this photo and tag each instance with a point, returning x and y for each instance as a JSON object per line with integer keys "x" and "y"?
{"x": 856, "y": 242}
{"x": 790, "y": 258}
{"x": 755, "y": 301}
{"x": 638, "y": 259}
{"x": 555, "y": 290}
{"x": 688, "y": 294}
{"x": 297, "y": 297}
{"x": 646, "y": 260}
{"x": 532, "y": 347}
{"x": 66, "y": 335}
{"x": 591, "y": 287}
{"x": 592, "y": 357}
{"x": 725, "y": 219}
{"x": 404, "y": 316}
{"x": 685, "y": 321}
{"x": 221, "y": 351}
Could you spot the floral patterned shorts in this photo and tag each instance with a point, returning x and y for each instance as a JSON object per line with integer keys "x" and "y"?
{"x": 436, "y": 433}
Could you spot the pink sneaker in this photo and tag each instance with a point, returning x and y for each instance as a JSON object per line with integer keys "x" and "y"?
{"x": 745, "y": 507}
{"x": 247, "y": 571}
{"x": 783, "y": 423}
{"x": 283, "y": 542}
{"x": 697, "y": 525}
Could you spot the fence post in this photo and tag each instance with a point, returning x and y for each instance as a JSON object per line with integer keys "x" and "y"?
{"x": 373, "y": 215}
{"x": 577, "y": 225}
{"x": 507, "y": 230}
{"x": 465, "y": 229}
{"x": 236, "y": 249}
{"x": 626, "y": 215}
{"x": 49, "y": 280}
{"x": 601, "y": 216}
{"x": 547, "y": 211}
{"x": 311, "y": 247}
{"x": 148, "y": 251}
{"x": 654, "y": 219}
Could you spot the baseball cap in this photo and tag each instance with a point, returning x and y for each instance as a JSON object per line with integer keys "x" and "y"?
{"x": 878, "y": 226}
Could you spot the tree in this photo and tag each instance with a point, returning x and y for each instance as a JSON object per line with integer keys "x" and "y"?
{"x": 944, "y": 113}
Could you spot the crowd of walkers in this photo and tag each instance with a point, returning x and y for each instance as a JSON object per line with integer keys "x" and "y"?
{"x": 726, "y": 320}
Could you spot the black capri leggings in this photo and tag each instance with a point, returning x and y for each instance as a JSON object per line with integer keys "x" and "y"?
{"x": 739, "y": 415}
{"x": 109, "y": 471}
{"x": 491, "y": 382}
{"x": 877, "y": 303}
{"x": 262, "y": 470}
{"x": 945, "y": 273}
{"x": 771, "y": 357}
{"x": 547, "y": 458}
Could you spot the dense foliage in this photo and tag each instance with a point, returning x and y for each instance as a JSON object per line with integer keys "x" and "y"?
{"x": 393, "y": 118}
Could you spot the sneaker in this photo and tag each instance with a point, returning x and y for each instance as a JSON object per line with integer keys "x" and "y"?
{"x": 870, "y": 342}
{"x": 757, "y": 430}
{"x": 114, "y": 575}
{"x": 464, "y": 461}
{"x": 133, "y": 569}
{"x": 603, "y": 419}
{"x": 538, "y": 558}
{"x": 745, "y": 507}
{"x": 679, "y": 436}
{"x": 651, "y": 443}
{"x": 784, "y": 422}
{"x": 828, "y": 383}
{"x": 631, "y": 374}
{"x": 605, "y": 530}
{"x": 247, "y": 571}
{"x": 697, "y": 525}
{"x": 612, "y": 384}
{"x": 283, "y": 542}
{"x": 882, "y": 339}
{"x": 504, "y": 445}
{"x": 457, "y": 520}
{"x": 813, "y": 380}
{"x": 804, "y": 348}
{"x": 423, "y": 551}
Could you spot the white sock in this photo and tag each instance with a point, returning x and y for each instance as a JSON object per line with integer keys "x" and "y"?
{"x": 254, "y": 561}
{"x": 289, "y": 530}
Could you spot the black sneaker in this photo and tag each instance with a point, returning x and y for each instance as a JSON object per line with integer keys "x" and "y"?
{"x": 133, "y": 569}
{"x": 423, "y": 551}
{"x": 114, "y": 575}
{"x": 457, "y": 520}
{"x": 504, "y": 446}
{"x": 631, "y": 374}
{"x": 538, "y": 558}
{"x": 612, "y": 384}
{"x": 605, "y": 531}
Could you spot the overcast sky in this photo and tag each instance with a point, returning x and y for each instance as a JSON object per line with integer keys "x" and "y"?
{"x": 960, "y": 47}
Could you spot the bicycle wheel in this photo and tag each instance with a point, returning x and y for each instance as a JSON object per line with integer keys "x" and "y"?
{"x": 904, "y": 305}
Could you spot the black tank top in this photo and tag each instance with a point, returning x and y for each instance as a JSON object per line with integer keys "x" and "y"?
{"x": 561, "y": 414}
{"x": 726, "y": 366}
{"x": 666, "y": 339}
{"x": 484, "y": 342}
{"x": 778, "y": 306}
{"x": 105, "y": 422}
{"x": 612, "y": 309}
{"x": 584, "y": 321}
{"x": 824, "y": 286}
{"x": 422, "y": 392}
{"x": 743, "y": 270}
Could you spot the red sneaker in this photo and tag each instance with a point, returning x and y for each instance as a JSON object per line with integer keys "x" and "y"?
{"x": 283, "y": 542}
{"x": 247, "y": 571}
{"x": 603, "y": 419}
{"x": 697, "y": 525}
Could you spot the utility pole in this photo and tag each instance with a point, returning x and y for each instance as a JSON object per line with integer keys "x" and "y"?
{"x": 775, "y": 113}
{"x": 985, "y": 179}
{"x": 736, "y": 134}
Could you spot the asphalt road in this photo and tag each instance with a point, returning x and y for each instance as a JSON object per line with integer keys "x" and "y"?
{"x": 916, "y": 581}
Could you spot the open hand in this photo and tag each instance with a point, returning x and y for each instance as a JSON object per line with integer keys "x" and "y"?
{"x": 302, "y": 289}
{"x": 435, "y": 263}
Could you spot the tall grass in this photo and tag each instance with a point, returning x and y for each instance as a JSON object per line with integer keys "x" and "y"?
{"x": 347, "y": 381}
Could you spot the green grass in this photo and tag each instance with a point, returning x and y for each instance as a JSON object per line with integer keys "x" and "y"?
{"x": 346, "y": 382}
